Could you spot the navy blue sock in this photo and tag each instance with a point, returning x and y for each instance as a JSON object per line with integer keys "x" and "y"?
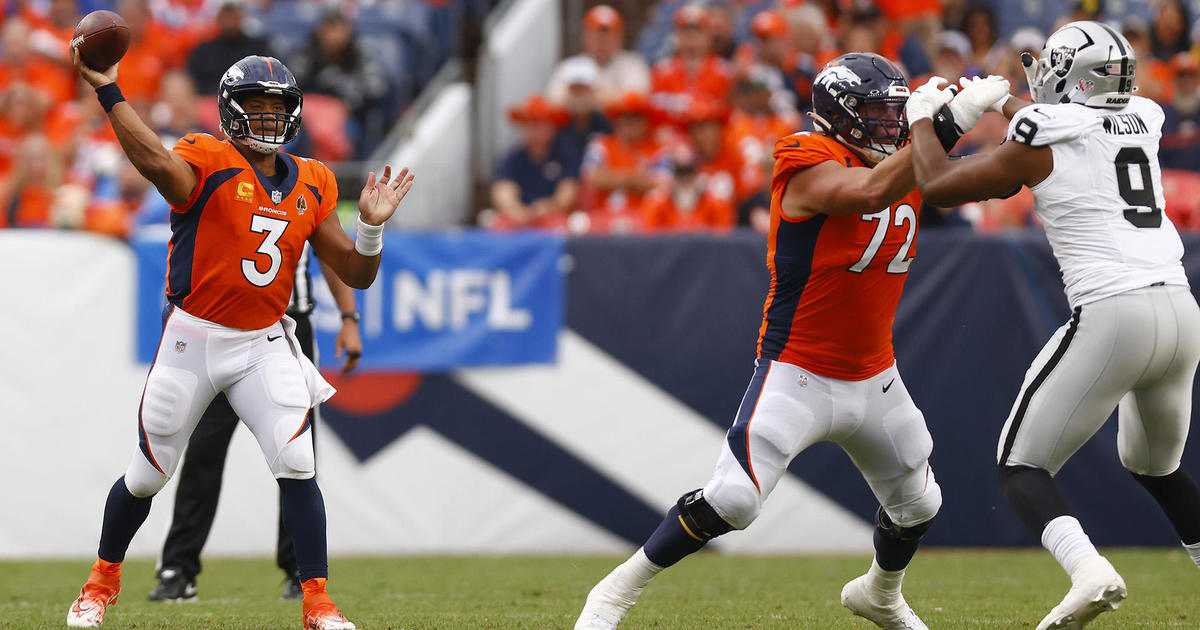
{"x": 894, "y": 545}
{"x": 670, "y": 542}
{"x": 123, "y": 515}
{"x": 303, "y": 512}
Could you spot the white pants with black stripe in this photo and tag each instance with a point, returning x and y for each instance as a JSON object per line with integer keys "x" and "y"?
{"x": 267, "y": 379}
{"x": 787, "y": 409}
{"x": 1136, "y": 351}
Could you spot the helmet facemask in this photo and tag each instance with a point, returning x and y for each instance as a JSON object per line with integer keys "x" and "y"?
{"x": 879, "y": 127}
{"x": 263, "y": 132}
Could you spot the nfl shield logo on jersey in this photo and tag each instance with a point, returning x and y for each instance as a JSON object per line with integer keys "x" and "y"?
{"x": 180, "y": 346}
{"x": 276, "y": 196}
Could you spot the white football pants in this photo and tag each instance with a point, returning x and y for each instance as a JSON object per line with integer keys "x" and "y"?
{"x": 786, "y": 409}
{"x": 268, "y": 380}
{"x": 1137, "y": 351}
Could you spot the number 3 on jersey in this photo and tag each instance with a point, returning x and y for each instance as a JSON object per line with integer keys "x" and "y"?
{"x": 274, "y": 229}
{"x": 901, "y": 261}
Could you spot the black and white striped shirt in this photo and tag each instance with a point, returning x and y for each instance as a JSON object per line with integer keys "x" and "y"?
{"x": 302, "y": 302}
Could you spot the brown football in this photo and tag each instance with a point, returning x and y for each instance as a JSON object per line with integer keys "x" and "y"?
{"x": 102, "y": 38}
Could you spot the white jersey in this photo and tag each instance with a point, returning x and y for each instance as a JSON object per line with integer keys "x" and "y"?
{"x": 1102, "y": 205}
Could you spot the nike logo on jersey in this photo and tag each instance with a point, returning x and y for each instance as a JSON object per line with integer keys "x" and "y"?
{"x": 888, "y": 386}
{"x": 190, "y": 140}
{"x": 270, "y": 338}
{"x": 792, "y": 146}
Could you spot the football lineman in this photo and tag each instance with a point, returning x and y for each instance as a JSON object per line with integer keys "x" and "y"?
{"x": 843, "y": 227}
{"x": 1088, "y": 149}
{"x": 242, "y": 212}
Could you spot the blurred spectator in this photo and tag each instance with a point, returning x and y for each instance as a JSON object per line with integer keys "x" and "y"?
{"x": 534, "y": 185}
{"x": 865, "y": 29}
{"x": 1170, "y": 33}
{"x": 787, "y": 72}
{"x": 703, "y": 188}
{"x": 620, "y": 169}
{"x": 953, "y": 57}
{"x": 920, "y": 18}
{"x": 583, "y": 106}
{"x": 175, "y": 114}
{"x": 335, "y": 64}
{"x": 22, "y": 109}
{"x": 26, "y": 194}
{"x": 618, "y": 71}
{"x": 979, "y": 27}
{"x": 1008, "y": 61}
{"x": 53, "y": 29}
{"x": 210, "y": 59}
{"x": 1180, "y": 147}
{"x": 811, "y": 34}
{"x": 152, "y": 51}
{"x": 20, "y": 63}
{"x": 752, "y": 129}
{"x": 720, "y": 26}
{"x": 1153, "y": 76}
{"x": 694, "y": 71}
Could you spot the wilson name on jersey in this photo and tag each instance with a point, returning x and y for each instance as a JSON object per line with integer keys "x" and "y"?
{"x": 1102, "y": 205}
{"x": 835, "y": 279}
{"x": 236, "y": 241}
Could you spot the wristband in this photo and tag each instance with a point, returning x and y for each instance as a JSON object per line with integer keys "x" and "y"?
{"x": 109, "y": 95}
{"x": 369, "y": 241}
{"x": 352, "y": 316}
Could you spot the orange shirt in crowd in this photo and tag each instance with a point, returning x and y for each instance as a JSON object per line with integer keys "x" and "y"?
{"x": 148, "y": 59}
{"x": 753, "y": 138}
{"x": 609, "y": 152}
{"x": 715, "y": 208}
{"x": 52, "y": 80}
{"x": 897, "y": 10}
{"x": 674, "y": 85}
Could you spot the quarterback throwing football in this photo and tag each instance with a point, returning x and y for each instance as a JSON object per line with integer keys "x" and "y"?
{"x": 242, "y": 211}
{"x": 1088, "y": 149}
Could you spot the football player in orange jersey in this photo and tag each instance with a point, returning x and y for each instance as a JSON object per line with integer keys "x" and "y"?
{"x": 242, "y": 211}
{"x": 843, "y": 225}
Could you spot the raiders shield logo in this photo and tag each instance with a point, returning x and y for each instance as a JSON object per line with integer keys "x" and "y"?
{"x": 276, "y": 197}
{"x": 301, "y": 205}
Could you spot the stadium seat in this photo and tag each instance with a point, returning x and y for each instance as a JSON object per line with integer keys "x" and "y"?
{"x": 1182, "y": 191}
{"x": 325, "y": 122}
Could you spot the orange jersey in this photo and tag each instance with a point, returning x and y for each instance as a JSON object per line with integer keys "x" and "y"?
{"x": 675, "y": 85}
{"x": 237, "y": 239}
{"x": 609, "y": 152}
{"x": 835, "y": 279}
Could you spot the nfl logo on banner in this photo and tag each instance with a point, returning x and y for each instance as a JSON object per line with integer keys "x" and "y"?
{"x": 180, "y": 346}
{"x": 276, "y": 196}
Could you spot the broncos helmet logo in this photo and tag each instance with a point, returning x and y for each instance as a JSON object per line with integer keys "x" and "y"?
{"x": 837, "y": 74}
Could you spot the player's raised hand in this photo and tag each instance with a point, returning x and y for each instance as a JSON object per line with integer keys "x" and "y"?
{"x": 926, "y": 100}
{"x": 380, "y": 197}
{"x": 94, "y": 78}
{"x": 978, "y": 96}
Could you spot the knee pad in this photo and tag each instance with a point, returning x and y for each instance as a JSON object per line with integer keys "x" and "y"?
{"x": 909, "y": 510}
{"x": 296, "y": 460}
{"x": 884, "y": 524}
{"x": 167, "y": 401}
{"x": 285, "y": 383}
{"x": 142, "y": 479}
{"x": 735, "y": 499}
{"x": 700, "y": 517}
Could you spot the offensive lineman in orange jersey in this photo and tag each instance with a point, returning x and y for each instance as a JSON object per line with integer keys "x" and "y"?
{"x": 843, "y": 226}
{"x": 241, "y": 213}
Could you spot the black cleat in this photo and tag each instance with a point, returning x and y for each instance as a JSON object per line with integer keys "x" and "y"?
{"x": 291, "y": 588}
{"x": 173, "y": 586}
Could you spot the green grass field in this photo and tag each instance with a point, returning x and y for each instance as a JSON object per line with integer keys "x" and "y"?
{"x": 951, "y": 589}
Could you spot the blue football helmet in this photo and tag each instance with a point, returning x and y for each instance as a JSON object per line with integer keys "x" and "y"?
{"x": 860, "y": 97}
{"x": 256, "y": 75}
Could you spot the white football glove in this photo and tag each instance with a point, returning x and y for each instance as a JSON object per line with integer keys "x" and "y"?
{"x": 926, "y": 100}
{"x": 978, "y": 96}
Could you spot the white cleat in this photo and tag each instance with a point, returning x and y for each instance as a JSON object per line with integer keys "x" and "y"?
{"x": 1096, "y": 588}
{"x": 607, "y": 604}
{"x": 88, "y": 609}
{"x": 889, "y": 612}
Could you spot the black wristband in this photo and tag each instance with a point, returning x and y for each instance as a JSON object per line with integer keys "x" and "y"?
{"x": 109, "y": 95}
{"x": 946, "y": 129}
{"x": 352, "y": 316}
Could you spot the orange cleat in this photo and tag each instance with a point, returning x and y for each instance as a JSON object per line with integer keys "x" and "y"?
{"x": 319, "y": 612}
{"x": 97, "y": 594}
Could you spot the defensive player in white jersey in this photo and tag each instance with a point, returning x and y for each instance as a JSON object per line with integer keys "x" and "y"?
{"x": 1088, "y": 149}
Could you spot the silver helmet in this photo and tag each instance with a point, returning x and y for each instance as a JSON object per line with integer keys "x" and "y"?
{"x": 1084, "y": 62}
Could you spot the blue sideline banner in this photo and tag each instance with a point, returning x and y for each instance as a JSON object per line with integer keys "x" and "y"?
{"x": 441, "y": 301}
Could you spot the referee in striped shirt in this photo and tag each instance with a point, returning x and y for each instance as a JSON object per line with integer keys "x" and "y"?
{"x": 200, "y": 475}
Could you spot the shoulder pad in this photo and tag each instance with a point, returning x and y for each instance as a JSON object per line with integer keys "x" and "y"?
{"x": 1043, "y": 125}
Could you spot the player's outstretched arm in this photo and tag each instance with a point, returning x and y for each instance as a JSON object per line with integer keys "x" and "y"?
{"x": 832, "y": 188}
{"x": 170, "y": 173}
{"x": 947, "y": 183}
{"x": 357, "y": 261}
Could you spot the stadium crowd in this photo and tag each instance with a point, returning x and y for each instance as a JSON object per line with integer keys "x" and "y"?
{"x": 359, "y": 63}
{"x": 680, "y": 134}
{"x": 675, "y": 135}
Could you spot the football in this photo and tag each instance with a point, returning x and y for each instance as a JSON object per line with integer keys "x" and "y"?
{"x": 102, "y": 38}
